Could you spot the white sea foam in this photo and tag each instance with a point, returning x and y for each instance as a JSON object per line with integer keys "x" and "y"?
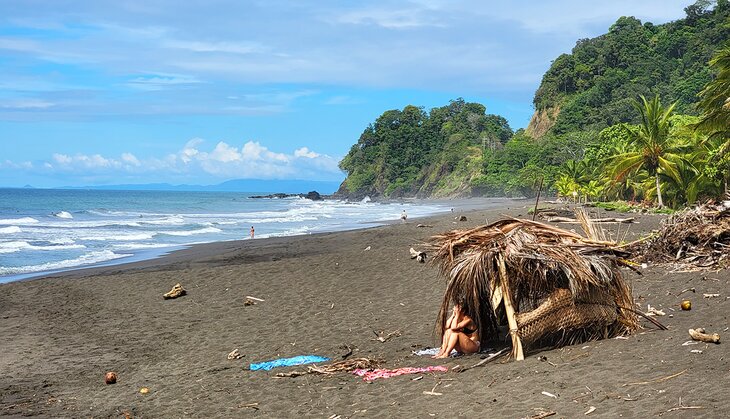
{"x": 106, "y": 236}
{"x": 171, "y": 220}
{"x": 10, "y": 230}
{"x": 205, "y": 230}
{"x": 17, "y": 246}
{"x": 63, "y": 214}
{"x": 19, "y": 221}
{"x": 92, "y": 224}
{"x": 136, "y": 246}
{"x": 86, "y": 259}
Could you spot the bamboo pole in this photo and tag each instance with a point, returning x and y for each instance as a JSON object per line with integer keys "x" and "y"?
{"x": 510, "y": 311}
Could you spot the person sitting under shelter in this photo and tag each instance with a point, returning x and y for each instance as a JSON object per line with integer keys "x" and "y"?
{"x": 460, "y": 333}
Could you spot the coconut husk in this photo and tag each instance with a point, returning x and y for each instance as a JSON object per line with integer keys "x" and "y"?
{"x": 563, "y": 287}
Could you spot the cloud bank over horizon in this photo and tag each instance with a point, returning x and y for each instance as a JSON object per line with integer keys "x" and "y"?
{"x": 196, "y": 160}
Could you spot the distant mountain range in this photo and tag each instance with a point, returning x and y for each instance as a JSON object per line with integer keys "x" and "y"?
{"x": 238, "y": 185}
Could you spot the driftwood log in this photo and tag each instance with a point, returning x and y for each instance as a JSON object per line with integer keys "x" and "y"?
{"x": 699, "y": 334}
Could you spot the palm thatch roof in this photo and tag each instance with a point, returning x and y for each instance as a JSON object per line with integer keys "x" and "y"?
{"x": 552, "y": 286}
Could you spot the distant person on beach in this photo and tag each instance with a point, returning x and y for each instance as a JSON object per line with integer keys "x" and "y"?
{"x": 252, "y": 232}
{"x": 460, "y": 333}
{"x": 404, "y": 216}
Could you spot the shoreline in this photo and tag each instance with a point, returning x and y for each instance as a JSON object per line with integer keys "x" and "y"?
{"x": 327, "y": 294}
{"x": 144, "y": 255}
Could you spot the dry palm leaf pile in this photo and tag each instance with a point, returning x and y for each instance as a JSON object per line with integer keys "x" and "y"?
{"x": 550, "y": 286}
{"x": 694, "y": 238}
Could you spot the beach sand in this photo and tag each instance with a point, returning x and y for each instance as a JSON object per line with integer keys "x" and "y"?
{"x": 324, "y": 293}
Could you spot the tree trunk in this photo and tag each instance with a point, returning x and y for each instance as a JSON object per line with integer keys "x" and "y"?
{"x": 658, "y": 191}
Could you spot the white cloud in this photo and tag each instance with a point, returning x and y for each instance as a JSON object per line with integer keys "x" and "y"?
{"x": 224, "y": 161}
{"x": 62, "y": 158}
{"x": 161, "y": 81}
{"x": 130, "y": 159}
{"x": 27, "y": 104}
{"x": 224, "y": 153}
{"x": 242, "y": 48}
{"x": 305, "y": 152}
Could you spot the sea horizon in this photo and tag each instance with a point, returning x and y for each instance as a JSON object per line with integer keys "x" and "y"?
{"x": 44, "y": 231}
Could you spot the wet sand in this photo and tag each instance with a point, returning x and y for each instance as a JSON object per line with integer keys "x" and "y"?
{"x": 324, "y": 293}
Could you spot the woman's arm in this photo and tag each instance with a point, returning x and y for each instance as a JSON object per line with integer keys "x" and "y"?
{"x": 463, "y": 323}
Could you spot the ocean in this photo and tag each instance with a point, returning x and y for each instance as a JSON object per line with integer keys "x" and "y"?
{"x": 51, "y": 230}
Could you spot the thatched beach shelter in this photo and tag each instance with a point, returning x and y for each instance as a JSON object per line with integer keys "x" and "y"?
{"x": 550, "y": 286}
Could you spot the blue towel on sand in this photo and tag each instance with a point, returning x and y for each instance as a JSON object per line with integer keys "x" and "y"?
{"x": 287, "y": 362}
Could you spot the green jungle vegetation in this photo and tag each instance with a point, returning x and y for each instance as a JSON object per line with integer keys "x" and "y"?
{"x": 640, "y": 114}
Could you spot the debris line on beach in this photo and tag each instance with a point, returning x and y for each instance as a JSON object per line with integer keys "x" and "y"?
{"x": 695, "y": 238}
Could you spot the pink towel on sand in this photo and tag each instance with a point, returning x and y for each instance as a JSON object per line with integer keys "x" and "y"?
{"x": 370, "y": 375}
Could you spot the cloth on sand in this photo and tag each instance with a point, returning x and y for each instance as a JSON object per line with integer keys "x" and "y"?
{"x": 370, "y": 375}
{"x": 454, "y": 353}
{"x": 432, "y": 352}
{"x": 287, "y": 362}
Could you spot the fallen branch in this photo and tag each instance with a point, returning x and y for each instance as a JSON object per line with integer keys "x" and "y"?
{"x": 432, "y": 393}
{"x": 254, "y": 298}
{"x": 486, "y": 360}
{"x": 699, "y": 334}
{"x": 542, "y": 415}
{"x": 658, "y": 380}
{"x": 683, "y": 407}
{"x": 568, "y": 220}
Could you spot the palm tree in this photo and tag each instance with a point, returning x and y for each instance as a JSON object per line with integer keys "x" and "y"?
{"x": 652, "y": 149}
{"x": 715, "y": 104}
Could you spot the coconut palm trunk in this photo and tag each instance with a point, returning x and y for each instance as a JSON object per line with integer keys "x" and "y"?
{"x": 660, "y": 203}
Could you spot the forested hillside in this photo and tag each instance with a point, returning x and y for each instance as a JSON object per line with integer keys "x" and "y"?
{"x": 592, "y": 88}
{"x": 624, "y": 116}
{"x": 412, "y": 152}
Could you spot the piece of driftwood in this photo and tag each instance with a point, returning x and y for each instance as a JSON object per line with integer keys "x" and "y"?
{"x": 255, "y": 299}
{"x": 424, "y": 226}
{"x": 542, "y": 415}
{"x": 432, "y": 392}
{"x": 234, "y": 354}
{"x": 702, "y": 336}
{"x": 657, "y": 380}
{"x": 710, "y": 295}
{"x": 567, "y": 220}
{"x": 486, "y": 360}
{"x": 382, "y": 337}
{"x": 419, "y": 256}
{"x": 176, "y": 291}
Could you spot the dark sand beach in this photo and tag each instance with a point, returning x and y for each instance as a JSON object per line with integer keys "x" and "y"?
{"x": 324, "y": 293}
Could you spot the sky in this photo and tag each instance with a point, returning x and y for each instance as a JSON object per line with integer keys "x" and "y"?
{"x": 199, "y": 92}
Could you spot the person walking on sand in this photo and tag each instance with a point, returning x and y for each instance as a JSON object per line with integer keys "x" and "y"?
{"x": 404, "y": 216}
{"x": 252, "y": 232}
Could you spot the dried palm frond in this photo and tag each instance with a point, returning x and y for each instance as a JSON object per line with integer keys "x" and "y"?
{"x": 543, "y": 265}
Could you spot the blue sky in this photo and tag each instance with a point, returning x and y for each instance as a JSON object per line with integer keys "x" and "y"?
{"x": 199, "y": 92}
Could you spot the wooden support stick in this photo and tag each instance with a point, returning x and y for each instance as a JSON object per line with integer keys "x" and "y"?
{"x": 534, "y": 212}
{"x": 510, "y": 311}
